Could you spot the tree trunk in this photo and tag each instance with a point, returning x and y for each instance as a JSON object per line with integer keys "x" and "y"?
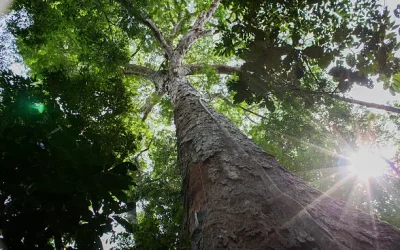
{"x": 239, "y": 197}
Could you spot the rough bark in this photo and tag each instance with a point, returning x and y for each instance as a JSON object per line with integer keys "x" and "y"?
{"x": 239, "y": 197}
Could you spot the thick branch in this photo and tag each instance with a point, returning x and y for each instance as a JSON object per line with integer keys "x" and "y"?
{"x": 353, "y": 101}
{"x": 134, "y": 12}
{"x": 196, "y": 32}
{"x": 177, "y": 28}
{"x": 137, "y": 70}
{"x": 204, "y": 17}
{"x": 159, "y": 36}
{"x": 191, "y": 69}
{"x": 221, "y": 69}
{"x": 156, "y": 77}
{"x": 367, "y": 104}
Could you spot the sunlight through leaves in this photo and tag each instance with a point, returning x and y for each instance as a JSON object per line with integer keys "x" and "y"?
{"x": 365, "y": 164}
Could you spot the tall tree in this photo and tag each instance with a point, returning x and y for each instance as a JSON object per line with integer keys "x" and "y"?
{"x": 236, "y": 196}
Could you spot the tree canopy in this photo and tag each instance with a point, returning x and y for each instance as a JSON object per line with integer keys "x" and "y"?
{"x": 62, "y": 175}
{"x": 86, "y": 139}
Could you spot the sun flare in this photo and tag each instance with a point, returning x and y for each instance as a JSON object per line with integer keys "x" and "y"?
{"x": 366, "y": 163}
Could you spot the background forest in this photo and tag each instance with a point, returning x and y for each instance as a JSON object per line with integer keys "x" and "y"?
{"x": 88, "y": 154}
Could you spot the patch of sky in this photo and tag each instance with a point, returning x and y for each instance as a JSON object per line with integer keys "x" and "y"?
{"x": 378, "y": 94}
{"x": 10, "y": 59}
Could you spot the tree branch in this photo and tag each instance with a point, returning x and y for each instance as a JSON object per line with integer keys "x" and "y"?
{"x": 350, "y": 100}
{"x": 136, "y": 51}
{"x": 353, "y": 101}
{"x": 367, "y": 104}
{"x": 134, "y": 12}
{"x": 392, "y": 165}
{"x": 157, "y": 77}
{"x": 137, "y": 70}
{"x": 193, "y": 69}
{"x": 196, "y": 32}
{"x": 204, "y": 17}
{"x": 190, "y": 69}
{"x": 177, "y": 28}
{"x": 108, "y": 20}
{"x": 159, "y": 36}
{"x": 151, "y": 101}
{"x": 136, "y": 158}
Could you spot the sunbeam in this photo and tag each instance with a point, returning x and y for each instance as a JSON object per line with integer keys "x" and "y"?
{"x": 365, "y": 164}
{"x": 319, "y": 198}
{"x": 371, "y": 210}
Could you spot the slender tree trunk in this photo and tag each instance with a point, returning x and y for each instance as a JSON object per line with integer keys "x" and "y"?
{"x": 239, "y": 197}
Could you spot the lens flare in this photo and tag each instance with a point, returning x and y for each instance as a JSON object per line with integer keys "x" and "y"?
{"x": 39, "y": 107}
{"x": 365, "y": 164}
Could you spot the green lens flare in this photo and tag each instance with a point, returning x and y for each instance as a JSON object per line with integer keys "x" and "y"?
{"x": 39, "y": 107}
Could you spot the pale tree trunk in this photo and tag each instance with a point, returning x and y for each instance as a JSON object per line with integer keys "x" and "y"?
{"x": 239, "y": 197}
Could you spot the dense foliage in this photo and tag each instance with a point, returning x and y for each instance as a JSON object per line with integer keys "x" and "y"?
{"x": 302, "y": 49}
{"x": 62, "y": 175}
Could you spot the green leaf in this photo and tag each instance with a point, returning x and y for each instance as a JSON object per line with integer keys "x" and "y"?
{"x": 325, "y": 61}
{"x": 392, "y": 91}
{"x": 269, "y": 104}
{"x": 395, "y": 84}
{"x": 239, "y": 97}
{"x": 314, "y": 51}
{"x": 351, "y": 60}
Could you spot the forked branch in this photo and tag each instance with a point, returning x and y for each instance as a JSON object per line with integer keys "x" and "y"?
{"x": 197, "y": 30}
{"x": 205, "y": 16}
{"x": 177, "y": 28}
